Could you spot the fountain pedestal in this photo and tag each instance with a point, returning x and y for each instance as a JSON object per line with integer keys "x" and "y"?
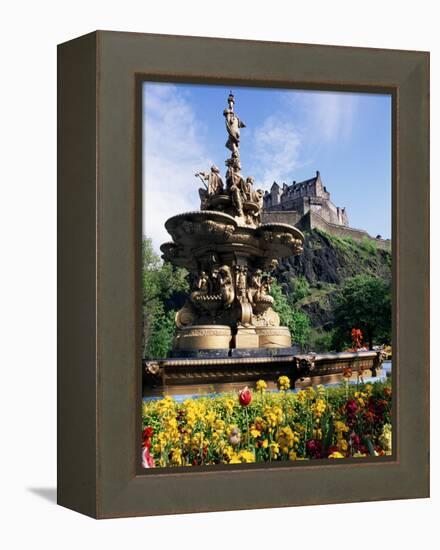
{"x": 246, "y": 337}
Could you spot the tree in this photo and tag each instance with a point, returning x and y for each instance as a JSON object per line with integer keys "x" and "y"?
{"x": 160, "y": 280}
{"x": 364, "y": 302}
{"x": 296, "y": 320}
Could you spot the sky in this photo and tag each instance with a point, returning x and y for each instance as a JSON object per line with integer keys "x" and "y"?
{"x": 289, "y": 135}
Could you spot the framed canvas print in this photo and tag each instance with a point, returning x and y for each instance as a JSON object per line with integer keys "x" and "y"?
{"x": 243, "y": 274}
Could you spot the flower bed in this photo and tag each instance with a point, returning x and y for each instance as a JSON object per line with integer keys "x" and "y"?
{"x": 335, "y": 422}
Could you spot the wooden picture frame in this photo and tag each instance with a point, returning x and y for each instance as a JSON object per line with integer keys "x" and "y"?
{"x": 99, "y": 229}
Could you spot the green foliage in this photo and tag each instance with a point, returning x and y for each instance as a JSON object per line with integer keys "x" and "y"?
{"x": 321, "y": 340}
{"x": 160, "y": 281}
{"x": 346, "y": 244}
{"x": 297, "y": 321}
{"x": 162, "y": 333}
{"x": 369, "y": 245}
{"x": 298, "y": 289}
{"x": 364, "y": 302}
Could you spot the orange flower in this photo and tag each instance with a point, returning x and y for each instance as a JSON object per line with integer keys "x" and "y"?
{"x": 347, "y": 372}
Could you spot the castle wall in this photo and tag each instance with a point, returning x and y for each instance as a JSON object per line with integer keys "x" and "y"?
{"x": 326, "y": 209}
{"x": 314, "y": 221}
{"x": 281, "y": 216}
{"x": 307, "y": 205}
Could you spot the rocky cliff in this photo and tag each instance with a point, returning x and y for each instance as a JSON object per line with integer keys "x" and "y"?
{"x": 312, "y": 279}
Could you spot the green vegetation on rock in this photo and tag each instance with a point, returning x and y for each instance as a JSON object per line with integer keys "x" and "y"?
{"x": 313, "y": 281}
{"x": 296, "y": 320}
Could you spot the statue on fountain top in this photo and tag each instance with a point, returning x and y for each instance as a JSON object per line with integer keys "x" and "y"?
{"x": 215, "y": 182}
{"x": 214, "y": 185}
{"x": 233, "y": 125}
{"x": 239, "y": 198}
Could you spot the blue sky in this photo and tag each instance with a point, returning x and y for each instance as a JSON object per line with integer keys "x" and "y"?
{"x": 289, "y": 135}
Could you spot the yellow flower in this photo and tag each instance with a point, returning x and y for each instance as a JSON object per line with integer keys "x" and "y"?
{"x": 255, "y": 433}
{"x": 300, "y": 428}
{"x": 317, "y": 433}
{"x": 310, "y": 392}
{"x": 270, "y": 417}
{"x": 340, "y": 427}
{"x": 176, "y": 457}
{"x": 246, "y": 456}
{"x": 293, "y": 455}
{"x": 229, "y": 403}
{"x": 228, "y": 453}
{"x": 301, "y": 396}
{"x": 242, "y": 456}
{"x": 170, "y": 423}
{"x": 283, "y": 383}
{"x": 274, "y": 449}
{"x": 385, "y": 438}
{"x": 285, "y": 438}
{"x": 319, "y": 407}
{"x": 210, "y": 418}
{"x": 336, "y": 454}
{"x": 165, "y": 405}
{"x": 219, "y": 425}
{"x": 234, "y": 459}
{"x": 261, "y": 386}
{"x": 343, "y": 445}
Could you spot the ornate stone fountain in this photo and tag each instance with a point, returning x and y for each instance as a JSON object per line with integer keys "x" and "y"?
{"x": 230, "y": 255}
{"x": 228, "y": 333}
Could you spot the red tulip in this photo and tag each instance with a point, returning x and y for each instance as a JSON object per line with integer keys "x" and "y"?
{"x": 245, "y": 396}
{"x": 148, "y": 432}
{"x": 147, "y": 459}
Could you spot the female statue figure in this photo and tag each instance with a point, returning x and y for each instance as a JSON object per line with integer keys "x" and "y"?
{"x": 233, "y": 125}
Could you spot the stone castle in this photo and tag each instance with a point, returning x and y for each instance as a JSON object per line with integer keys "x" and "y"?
{"x": 307, "y": 205}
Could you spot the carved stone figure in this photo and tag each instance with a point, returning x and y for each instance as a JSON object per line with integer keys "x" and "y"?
{"x": 226, "y": 285}
{"x": 235, "y": 184}
{"x": 258, "y": 194}
{"x": 255, "y": 198}
{"x": 215, "y": 281}
{"x": 248, "y": 189}
{"x": 241, "y": 282}
{"x": 202, "y": 286}
{"x": 214, "y": 185}
{"x": 233, "y": 125}
{"x": 254, "y": 285}
{"x": 266, "y": 281}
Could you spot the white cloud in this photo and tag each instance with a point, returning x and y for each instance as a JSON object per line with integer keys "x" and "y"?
{"x": 173, "y": 151}
{"x": 290, "y": 138}
{"x": 277, "y": 146}
{"x": 329, "y": 115}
